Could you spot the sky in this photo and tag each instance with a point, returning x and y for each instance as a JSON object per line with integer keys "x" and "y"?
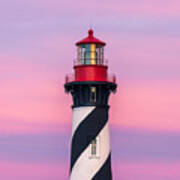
{"x": 37, "y": 49}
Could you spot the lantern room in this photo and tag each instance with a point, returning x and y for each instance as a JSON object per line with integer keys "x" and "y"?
{"x": 90, "y": 65}
{"x": 90, "y": 51}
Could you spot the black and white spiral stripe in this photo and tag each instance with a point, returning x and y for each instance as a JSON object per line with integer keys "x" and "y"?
{"x": 90, "y": 122}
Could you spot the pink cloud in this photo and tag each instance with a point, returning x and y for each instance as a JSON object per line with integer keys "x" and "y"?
{"x": 36, "y": 171}
{"x": 147, "y": 51}
{"x": 105, "y": 8}
{"x": 151, "y": 105}
{"x": 32, "y": 99}
{"x": 148, "y": 171}
{"x": 143, "y": 7}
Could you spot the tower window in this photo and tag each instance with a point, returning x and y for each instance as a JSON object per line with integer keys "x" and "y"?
{"x": 94, "y": 151}
{"x": 93, "y": 147}
{"x": 93, "y": 95}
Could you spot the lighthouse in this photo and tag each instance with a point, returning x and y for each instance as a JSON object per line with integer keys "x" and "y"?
{"x": 90, "y": 86}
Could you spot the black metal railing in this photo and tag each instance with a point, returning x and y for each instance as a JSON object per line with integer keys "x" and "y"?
{"x": 71, "y": 78}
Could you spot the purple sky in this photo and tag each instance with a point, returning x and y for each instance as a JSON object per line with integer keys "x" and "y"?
{"x": 37, "y": 48}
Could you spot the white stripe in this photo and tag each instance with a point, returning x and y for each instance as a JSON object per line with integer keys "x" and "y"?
{"x": 85, "y": 167}
{"x": 79, "y": 114}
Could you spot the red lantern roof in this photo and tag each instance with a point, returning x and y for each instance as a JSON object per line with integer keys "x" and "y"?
{"x": 91, "y": 39}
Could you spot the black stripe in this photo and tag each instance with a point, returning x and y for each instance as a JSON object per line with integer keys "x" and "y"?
{"x": 105, "y": 172}
{"x": 87, "y": 131}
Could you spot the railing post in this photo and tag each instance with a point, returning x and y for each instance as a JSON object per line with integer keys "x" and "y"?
{"x": 114, "y": 78}
{"x": 66, "y": 78}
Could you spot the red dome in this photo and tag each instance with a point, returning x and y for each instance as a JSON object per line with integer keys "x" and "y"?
{"x": 91, "y": 39}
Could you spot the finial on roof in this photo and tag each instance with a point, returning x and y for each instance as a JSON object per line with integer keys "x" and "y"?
{"x": 90, "y": 32}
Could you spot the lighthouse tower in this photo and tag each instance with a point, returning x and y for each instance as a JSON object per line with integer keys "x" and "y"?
{"x": 90, "y": 87}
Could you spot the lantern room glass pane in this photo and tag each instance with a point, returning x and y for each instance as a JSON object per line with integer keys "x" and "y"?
{"x": 90, "y": 54}
{"x": 79, "y": 55}
{"x": 87, "y": 54}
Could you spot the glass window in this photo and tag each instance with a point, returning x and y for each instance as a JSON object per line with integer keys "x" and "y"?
{"x": 79, "y": 55}
{"x": 94, "y": 151}
{"x": 93, "y": 55}
{"x": 90, "y": 54}
{"x": 93, "y": 95}
{"x": 93, "y": 147}
{"x": 87, "y": 54}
